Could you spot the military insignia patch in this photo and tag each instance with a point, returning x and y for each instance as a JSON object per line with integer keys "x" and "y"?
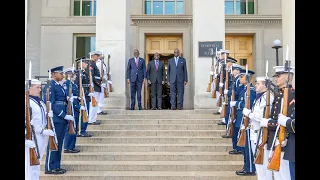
{"x": 291, "y": 102}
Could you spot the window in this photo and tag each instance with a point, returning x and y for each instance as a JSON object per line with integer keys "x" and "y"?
{"x": 239, "y": 6}
{"x": 164, "y": 7}
{"x": 84, "y": 43}
{"x": 84, "y": 7}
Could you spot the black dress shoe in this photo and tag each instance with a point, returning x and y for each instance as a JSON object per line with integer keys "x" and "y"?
{"x": 159, "y": 108}
{"x": 173, "y": 108}
{"x": 180, "y": 108}
{"x": 132, "y": 108}
{"x": 239, "y": 171}
{"x": 153, "y": 108}
{"x": 55, "y": 171}
{"x": 245, "y": 173}
{"x": 225, "y": 136}
{"x": 71, "y": 151}
{"x": 102, "y": 113}
{"x": 217, "y": 113}
{"x": 221, "y": 123}
{"x": 94, "y": 123}
{"x": 63, "y": 170}
{"x": 84, "y": 135}
{"x": 235, "y": 152}
{"x": 140, "y": 108}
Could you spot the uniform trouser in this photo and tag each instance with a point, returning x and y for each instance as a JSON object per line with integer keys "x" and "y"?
{"x": 100, "y": 100}
{"x": 284, "y": 172}
{"x": 42, "y": 141}
{"x": 262, "y": 168}
{"x": 248, "y": 155}
{"x": 292, "y": 170}
{"x": 53, "y": 158}
{"x": 227, "y": 115}
{"x": 84, "y": 125}
{"x": 27, "y": 167}
{"x": 94, "y": 110}
{"x": 70, "y": 139}
{"x": 235, "y": 138}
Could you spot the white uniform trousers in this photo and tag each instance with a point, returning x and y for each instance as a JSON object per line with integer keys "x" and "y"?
{"x": 27, "y": 167}
{"x": 284, "y": 172}
{"x": 100, "y": 100}
{"x": 93, "y": 111}
{"x": 42, "y": 145}
{"x": 262, "y": 173}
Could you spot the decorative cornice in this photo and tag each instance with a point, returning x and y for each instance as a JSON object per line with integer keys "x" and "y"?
{"x": 68, "y": 21}
{"x": 162, "y": 19}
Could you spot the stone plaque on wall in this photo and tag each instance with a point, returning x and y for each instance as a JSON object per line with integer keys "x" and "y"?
{"x": 206, "y": 48}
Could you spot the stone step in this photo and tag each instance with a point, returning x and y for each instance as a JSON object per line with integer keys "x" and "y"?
{"x": 151, "y": 156}
{"x": 159, "y": 121}
{"x": 150, "y": 165}
{"x": 153, "y": 140}
{"x": 147, "y": 175}
{"x": 158, "y": 116}
{"x": 216, "y": 133}
{"x": 159, "y": 112}
{"x": 157, "y": 127}
{"x": 155, "y": 147}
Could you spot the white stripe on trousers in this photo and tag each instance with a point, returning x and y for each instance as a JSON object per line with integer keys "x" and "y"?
{"x": 100, "y": 100}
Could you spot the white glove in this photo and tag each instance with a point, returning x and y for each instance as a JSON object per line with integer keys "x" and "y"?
{"x": 211, "y": 73}
{"x": 242, "y": 127}
{"x": 90, "y": 94}
{"x": 104, "y": 85}
{"x": 264, "y": 122}
{"x": 70, "y": 99}
{"x": 283, "y": 144}
{"x": 215, "y": 75}
{"x": 246, "y": 112}
{"x": 48, "y": 132}
{"x": 282, "y": 119}
{"x": 223, "y": 120}
{"x": 233, "y": 103}
{"x": 91, "y": 85}
{"x": 83, "y": 108}
{"x": 220, "y": 84}
{"x": 225, "y": 91}
{"x": 69, "y": 117}
{"x": 30, "y": 144}
{"x": 50, "y": 114}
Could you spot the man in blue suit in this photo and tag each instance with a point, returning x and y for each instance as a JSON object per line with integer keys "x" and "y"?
{"x": 136, "y": 74}
{"x": 177, "y": 79}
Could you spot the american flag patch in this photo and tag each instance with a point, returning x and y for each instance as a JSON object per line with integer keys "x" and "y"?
{"x": 291, "y": 102}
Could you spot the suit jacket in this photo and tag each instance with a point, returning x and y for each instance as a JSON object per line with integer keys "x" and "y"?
{"x": 177, "y": 73}
{"x": 135, "y": 73}
{"x": 153, "y": 75}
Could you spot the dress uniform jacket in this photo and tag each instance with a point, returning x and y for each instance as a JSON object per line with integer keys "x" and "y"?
{"x": 75, "y": 92}
{"x": 240, "y": 104}
{"x": 58, "y": 99}
{"x": 96, "y": 79}
{"x": 85, "y": 84}
{"x": 289, "y": 153}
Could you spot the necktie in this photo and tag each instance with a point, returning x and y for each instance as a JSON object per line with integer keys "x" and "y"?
{"x": 136, "y": 62}
{"x": 176, "y": 60}
{"x": 157, "y": 65}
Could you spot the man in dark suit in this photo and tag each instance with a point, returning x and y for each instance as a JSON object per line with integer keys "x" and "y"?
{"x": 136, "y": 74}
{"x": 177, "y": 78}
{"x": 156, "y": 76}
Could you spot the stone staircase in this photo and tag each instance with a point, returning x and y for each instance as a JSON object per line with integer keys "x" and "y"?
{"x": 153, "y": 145}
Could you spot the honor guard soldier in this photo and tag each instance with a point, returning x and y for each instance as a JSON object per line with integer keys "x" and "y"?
{"x": 225, "y": 92}
{"x": 220, "y": 68}
{"x": 70, "y": 139}
{"x": 39, "y": 122}
{"x": 96, "y": 81}
{"x": 245, "y": 77}
{"x": 102, "y": 69}
{"x": 281, "y": 78}
{"x": 238, "y": 87}
{"x": 58, "y": 99}
{"x": 82, "y": 65}
{"x": 256, "y": 114}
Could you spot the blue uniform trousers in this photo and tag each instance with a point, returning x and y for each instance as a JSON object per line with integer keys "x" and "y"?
{"x": 235, "y": 138}
{"x": 70, "y": 139}
{"x": 53, "y": 158}
{"x": 227, "y": 115}
{"x": 248, "y": 155}
{"x": 292, "y": 170}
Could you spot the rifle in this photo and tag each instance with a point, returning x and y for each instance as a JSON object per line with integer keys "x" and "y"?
{"x": 242, "y": 137}
{"x": 70, "y": 110}
{"x": 83, "y": 113}
{"x": 214, "y": 93}
{"x": 93, "y": 99}
{"x": 212, "y": 64}
{"x": 109, "y": 74}
{"x": 274, "y": 162}
{"x": 53, "y": 142}
{"x": 34, "y": 156}
{"x": 226, "y": 87}
{"x": 219, "y": 103}
{"x": 230, "y": 129}
{"x": 259, "y": 154}
{"x": 105, "y": 91}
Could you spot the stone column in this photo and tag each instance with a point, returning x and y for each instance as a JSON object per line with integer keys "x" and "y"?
{"x": 112, "y": 33}
{"x": 208, "y": 25}
{"x": 33, "y": 40}
{"x": 288, "y": 29}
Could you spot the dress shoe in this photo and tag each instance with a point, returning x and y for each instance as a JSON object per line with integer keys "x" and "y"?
{"x": 159, "y": 108}
{"x": 102, "y": 113}
{"x": 225, "y": 136}
{"x": 55, "y": 171}
{"x": 235, "y": 152}
{"x": 84, "y": 135}
{"x": 217, "y": 113}
{"x": 94, "y": 123}
{"x": 153, "y": 108}
{"x": 140, "y": 108}
{"x": 173, "y": 108}
{"x": 221, "y": 123}
{"x": 71, "y": 151}
{"x": 245, "y": 173}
